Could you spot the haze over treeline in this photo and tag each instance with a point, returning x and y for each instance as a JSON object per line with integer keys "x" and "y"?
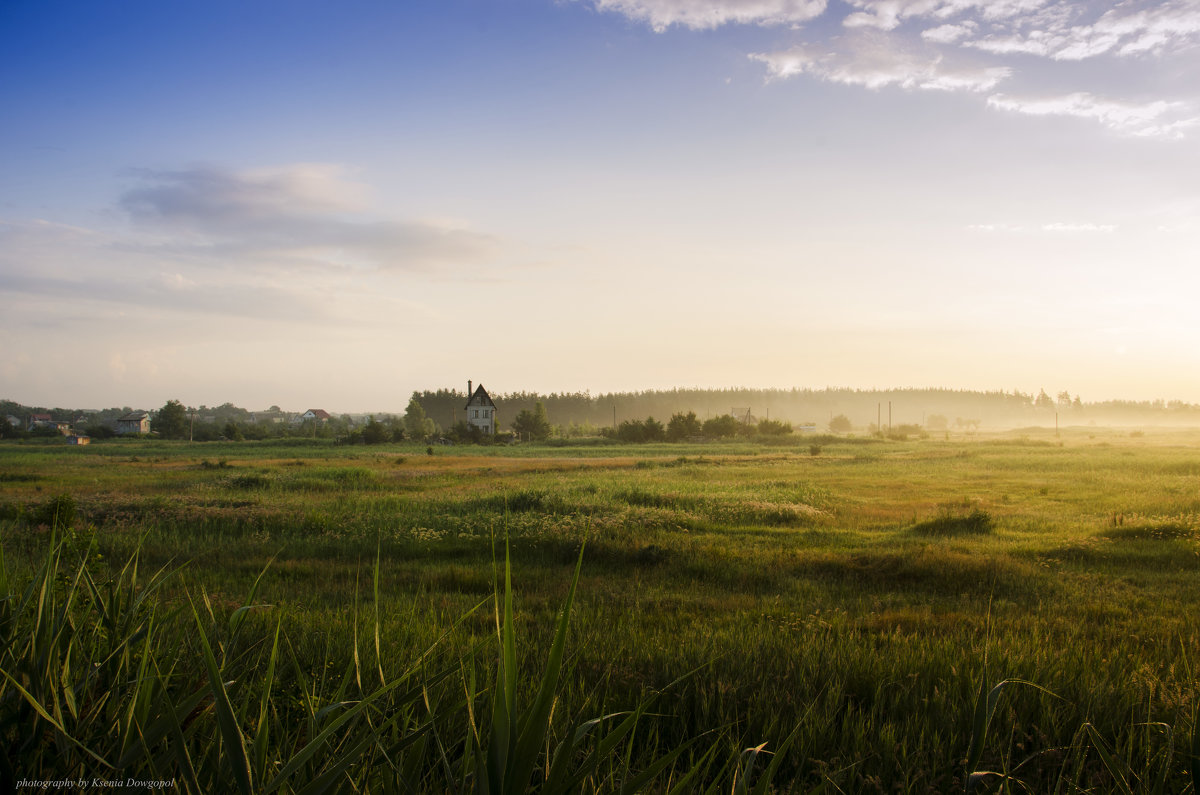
{"x": 934, "y": 408}
{"x": 863, "y": 407}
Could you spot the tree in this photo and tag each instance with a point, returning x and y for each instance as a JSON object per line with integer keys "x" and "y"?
{"x": 774, "y": 428}
{"x": 840, "y": 424}
{"x": 171, "y": 422}
{"x": 375, "y": 432}
{"x": 533, "y": 425}
{"x": 395, "y": 426}
{"x": 683, "y": 426}
{"x": 723, "y": 426}
{"x": 416, "y": 424}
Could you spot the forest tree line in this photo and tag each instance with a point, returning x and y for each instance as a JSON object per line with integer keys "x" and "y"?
{"x": 440, "y": 413}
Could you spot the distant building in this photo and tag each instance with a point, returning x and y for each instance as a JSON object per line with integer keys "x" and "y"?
{"x": 79, "y": 438}
{"x": 272, "y": 416}
{"x": 134, "y": 422}
{"x": 37, "y": 421}
{"x": 317, "y": 415}
{"x": 481, "y": 411}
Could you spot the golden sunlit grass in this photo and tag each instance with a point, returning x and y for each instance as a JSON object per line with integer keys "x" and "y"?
{"x": 855, "y": 594}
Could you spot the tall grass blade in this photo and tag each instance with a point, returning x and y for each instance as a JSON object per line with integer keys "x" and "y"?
{"x": 231, "y": 733}
{"x": 1194, "y": 762}
{"x": 1119, "y": 783}
{"x": 536, "y": 723}
{"x": 985, "y": 707}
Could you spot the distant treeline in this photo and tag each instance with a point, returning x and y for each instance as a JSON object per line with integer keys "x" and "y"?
{"x": 582, "y": 413}
{"x": 948, "y": 408}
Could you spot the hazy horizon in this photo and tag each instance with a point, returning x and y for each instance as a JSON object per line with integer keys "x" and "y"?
{"x": 334, "y": 206}
{"x": 1096, "y": 402}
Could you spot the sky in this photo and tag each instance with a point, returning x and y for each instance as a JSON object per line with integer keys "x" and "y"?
{"x": 315, "y": 204}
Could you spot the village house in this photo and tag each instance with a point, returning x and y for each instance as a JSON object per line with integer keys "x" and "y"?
{"x": 45, "y": 421}
{"x": 481, "y": 411}
{"x": 134, "y": 422}
{"x": 316, "y": 415}
{"x": 272, "y": 416}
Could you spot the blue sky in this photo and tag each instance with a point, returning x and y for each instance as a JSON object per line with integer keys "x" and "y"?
{"x": 319, "y": 204}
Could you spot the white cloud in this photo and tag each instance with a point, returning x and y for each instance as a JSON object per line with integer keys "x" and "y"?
{"x": 876, "y": 61}
{"x": 711, "y": 14}
{"x": 993, "y": 228}
{"x": 890, "y": 14}
{"x": 1061, "y": 227}
{"x": 1158, "y": 118}
{"x": 1066, "y": 33}
{"x": 948, "y": 34}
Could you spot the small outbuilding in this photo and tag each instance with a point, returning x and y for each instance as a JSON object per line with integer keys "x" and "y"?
{"x": 134, "y": 422}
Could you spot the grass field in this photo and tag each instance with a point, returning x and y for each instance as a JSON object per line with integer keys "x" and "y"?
{"x": 860, "y": 592}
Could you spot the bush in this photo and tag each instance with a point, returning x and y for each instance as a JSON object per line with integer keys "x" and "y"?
{"x": 722, "y": 427}
{"x": 774, "y": 428}
{"x": 840, "y": 424}
{"x": 58, "y": 511}
{"x": 648, "y": 430}
{"x": 683, "y": 426}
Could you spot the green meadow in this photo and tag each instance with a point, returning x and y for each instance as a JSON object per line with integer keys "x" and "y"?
{"x": 891, "y": 616}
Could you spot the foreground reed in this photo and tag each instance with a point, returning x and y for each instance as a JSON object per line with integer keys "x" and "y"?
{"x": 105, "y": 678}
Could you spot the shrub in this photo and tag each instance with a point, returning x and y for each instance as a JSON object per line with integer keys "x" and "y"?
{"x": 949, "y": 523}
{"x": 840, "y": 424}
{"x": 58, "y": 511}
{"x": 774, "y": 428}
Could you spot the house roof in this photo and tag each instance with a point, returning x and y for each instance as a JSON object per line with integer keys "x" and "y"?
{"x": 479, "y": 397}
{"x": 320, "y": 414}
{"x": 133, "y": 416}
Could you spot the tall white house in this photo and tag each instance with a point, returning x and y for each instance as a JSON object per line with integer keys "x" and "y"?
{"x": 481, "y": 411}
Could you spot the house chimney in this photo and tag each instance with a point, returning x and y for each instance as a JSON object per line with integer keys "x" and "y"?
{"x": 469, "y": 392}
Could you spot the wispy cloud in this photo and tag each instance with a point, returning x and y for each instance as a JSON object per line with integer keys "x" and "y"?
{"x": 711, "y": 14}
{"x": 1149, "y": 119}
{"x": 1065, "y": 32}
{"x": 874, "y": 61}
{"x": 948, "y": 34}
{"x": 1061, "y": 227}
{"x": 281, "y": 244}
{"x": 924, "y": 44}
{"x": 303, "y": 211}
{"x": 993, "y": 228}
{"x": 172, "y": 292}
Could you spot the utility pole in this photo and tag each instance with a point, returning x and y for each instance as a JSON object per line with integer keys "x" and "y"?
{"x": 889, "y": 416}
{"x": 191, "y": 423}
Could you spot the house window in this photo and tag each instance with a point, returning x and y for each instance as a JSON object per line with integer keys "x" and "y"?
{"x": 476, "y": 415}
